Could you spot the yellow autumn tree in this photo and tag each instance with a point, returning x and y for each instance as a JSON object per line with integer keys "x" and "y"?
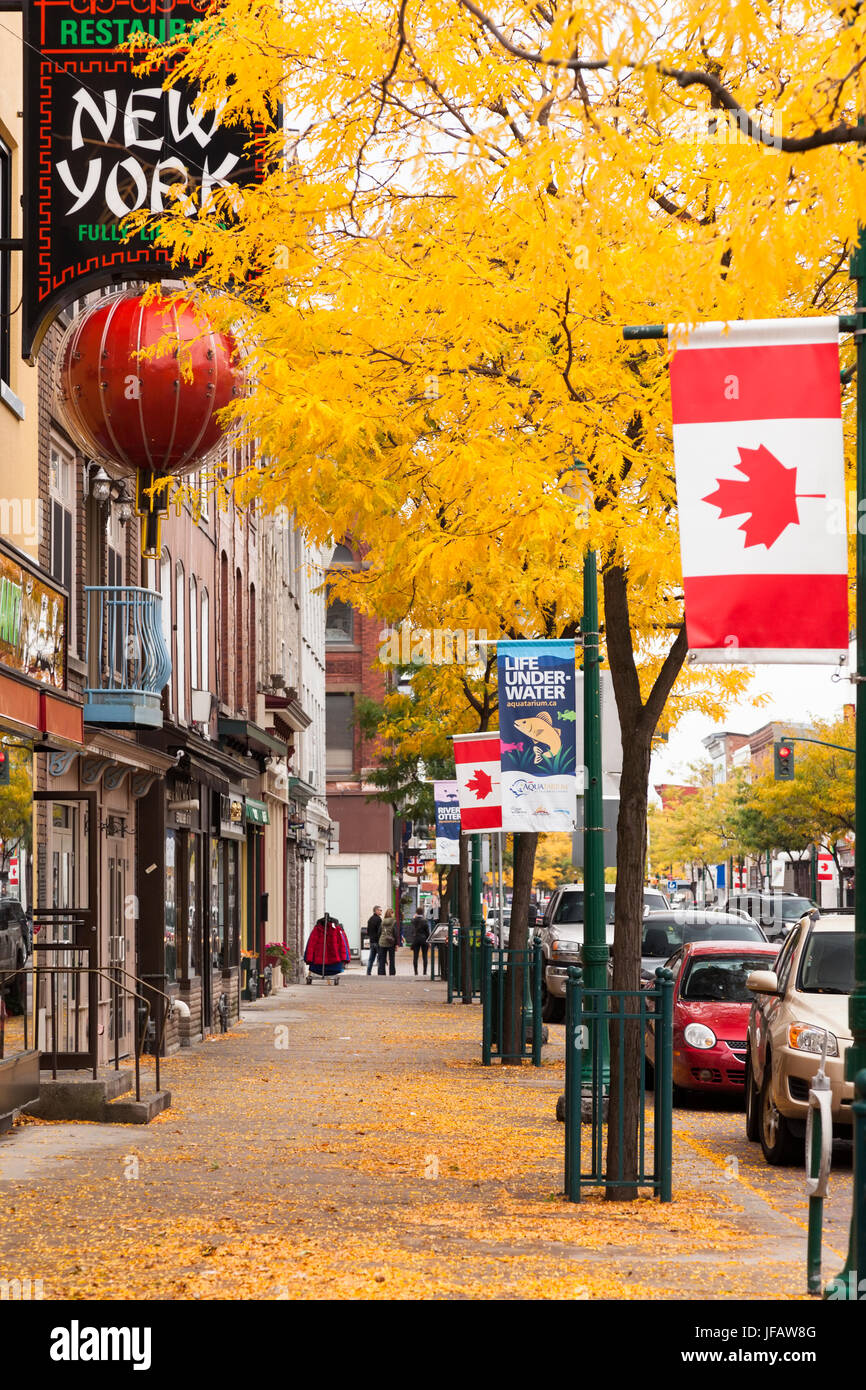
{"x": 696, "y": 828}
{"x": 461, "y": 211}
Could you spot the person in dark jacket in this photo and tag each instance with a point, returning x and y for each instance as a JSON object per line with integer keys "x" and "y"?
{"x": 420, "y": 937}
{"x": 374, "y": 926}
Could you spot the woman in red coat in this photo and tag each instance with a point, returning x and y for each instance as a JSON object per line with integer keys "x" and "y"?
{"x": 327, "y": 951}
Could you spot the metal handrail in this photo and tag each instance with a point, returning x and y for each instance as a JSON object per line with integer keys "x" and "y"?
{"x": 165, "y": 1013}
{"x": 52, "y": 971}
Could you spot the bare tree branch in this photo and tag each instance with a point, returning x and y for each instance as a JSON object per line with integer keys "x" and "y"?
{"x": 842, "y": 133}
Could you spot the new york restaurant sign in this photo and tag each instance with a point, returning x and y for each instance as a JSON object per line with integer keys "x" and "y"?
{"x": 102, "y": 143}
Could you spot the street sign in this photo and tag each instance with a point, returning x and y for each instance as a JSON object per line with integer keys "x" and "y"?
{"x": 825, "y": 868}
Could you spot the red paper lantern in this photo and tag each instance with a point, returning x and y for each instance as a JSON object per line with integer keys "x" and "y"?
{"x": 156, "y": 413}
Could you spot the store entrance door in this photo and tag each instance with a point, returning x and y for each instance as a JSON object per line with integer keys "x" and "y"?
{"x": 66, "y": 934}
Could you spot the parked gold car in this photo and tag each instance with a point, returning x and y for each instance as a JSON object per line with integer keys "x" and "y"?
{"x": 797, "y": 1004}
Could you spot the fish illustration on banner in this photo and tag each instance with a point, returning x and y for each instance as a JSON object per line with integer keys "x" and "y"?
{"x": 447, "y": 822}
{"x": 537, "y": 727}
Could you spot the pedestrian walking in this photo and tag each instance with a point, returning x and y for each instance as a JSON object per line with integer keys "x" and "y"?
{"x": 420, "y": 937}
{"x": 374, "y": 926}
{"x": 388, "y": 942}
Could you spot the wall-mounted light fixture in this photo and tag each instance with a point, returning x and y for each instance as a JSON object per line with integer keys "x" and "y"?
{"x": 100, "y": 485}
{"x": 104, "y": 489}
{"x": 113, "y": 825}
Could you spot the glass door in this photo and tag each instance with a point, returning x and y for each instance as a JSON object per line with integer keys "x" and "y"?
{"x": 65, "y": 923}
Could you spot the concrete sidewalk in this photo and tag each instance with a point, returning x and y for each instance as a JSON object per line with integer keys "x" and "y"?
{"x": 346, "y": 1142}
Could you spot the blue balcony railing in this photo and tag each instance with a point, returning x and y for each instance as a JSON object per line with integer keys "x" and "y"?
{"x": 127, "y": 661}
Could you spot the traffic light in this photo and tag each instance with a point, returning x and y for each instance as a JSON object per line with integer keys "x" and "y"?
{"x": 4, "y": 767}
{"x": 783, "y": 761}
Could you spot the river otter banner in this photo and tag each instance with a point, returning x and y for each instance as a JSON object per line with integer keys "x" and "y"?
{"x": 447, "y": 822}
{"x": 537, "y": 734}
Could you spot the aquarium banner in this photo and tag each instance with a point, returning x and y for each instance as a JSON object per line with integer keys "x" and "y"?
{"x": 537, "y": 734}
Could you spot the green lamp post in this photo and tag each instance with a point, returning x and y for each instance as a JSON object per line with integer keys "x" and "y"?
{"x": 853, "y": 1276}
{"x": 595, "y": 950}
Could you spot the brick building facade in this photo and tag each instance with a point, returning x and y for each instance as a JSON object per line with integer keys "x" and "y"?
{"x": 361, "y": 874}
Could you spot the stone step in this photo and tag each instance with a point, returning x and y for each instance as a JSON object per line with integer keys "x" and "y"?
{"x": 136, "y": 1112}
{"x": 74, "y": 1096}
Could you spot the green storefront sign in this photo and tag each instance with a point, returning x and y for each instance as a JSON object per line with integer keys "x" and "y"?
{"x": 257, "y": 813}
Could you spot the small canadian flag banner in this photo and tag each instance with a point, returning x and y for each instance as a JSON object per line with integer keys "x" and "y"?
{"x": 759, "y": 455}
{"x": 479, "y": 781}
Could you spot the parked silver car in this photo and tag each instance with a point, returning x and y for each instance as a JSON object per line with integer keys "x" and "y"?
{"x": 800, "y": 1006}
{"x": 561, "y": 937}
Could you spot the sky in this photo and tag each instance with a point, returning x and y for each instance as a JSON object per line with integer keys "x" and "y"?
{"x": 795, "y": 693}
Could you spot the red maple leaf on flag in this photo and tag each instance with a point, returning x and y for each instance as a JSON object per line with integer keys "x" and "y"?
{"x": 480, "y": 784}
{"x": 768, "y": 492}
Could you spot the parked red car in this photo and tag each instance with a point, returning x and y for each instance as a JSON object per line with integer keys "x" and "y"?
{"x": 711, "y": 1013}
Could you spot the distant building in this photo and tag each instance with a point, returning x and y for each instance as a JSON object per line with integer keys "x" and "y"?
{"x": 751, "y": 755}
{"x": 361, "y": 870}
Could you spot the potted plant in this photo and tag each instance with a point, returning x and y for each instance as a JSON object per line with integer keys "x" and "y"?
{"x": 277, "y": 954}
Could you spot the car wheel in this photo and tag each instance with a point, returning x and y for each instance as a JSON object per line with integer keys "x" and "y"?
{"x": 753, "y": 1104}
{"x": 777, "y": 1142}
{"x": 552, "y": 1009}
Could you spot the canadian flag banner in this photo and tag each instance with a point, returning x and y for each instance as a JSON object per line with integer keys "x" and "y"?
{"x": 758, "y": 447}
{"x": 479, "y": 782}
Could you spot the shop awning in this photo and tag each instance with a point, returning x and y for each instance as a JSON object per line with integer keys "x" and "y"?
{"x": 250, "y": 735}
{"x": 300, "y": 791}
{"x": 257, "y": 812}
{"x": 52, "y": 720}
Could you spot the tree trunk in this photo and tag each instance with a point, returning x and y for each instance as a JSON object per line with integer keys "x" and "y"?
{"x": 638, "y": 722}
{"x": 628, "y": 932}
{"x": 525, "y": 845}
{"x": 445, "y": 897}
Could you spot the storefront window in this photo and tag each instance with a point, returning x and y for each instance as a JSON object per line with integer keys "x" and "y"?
{"x": 232, "y": 905}
{"x": 170, "y": 907}
{"x": 192, "y": 943}
{"x": 216, "y": 905}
